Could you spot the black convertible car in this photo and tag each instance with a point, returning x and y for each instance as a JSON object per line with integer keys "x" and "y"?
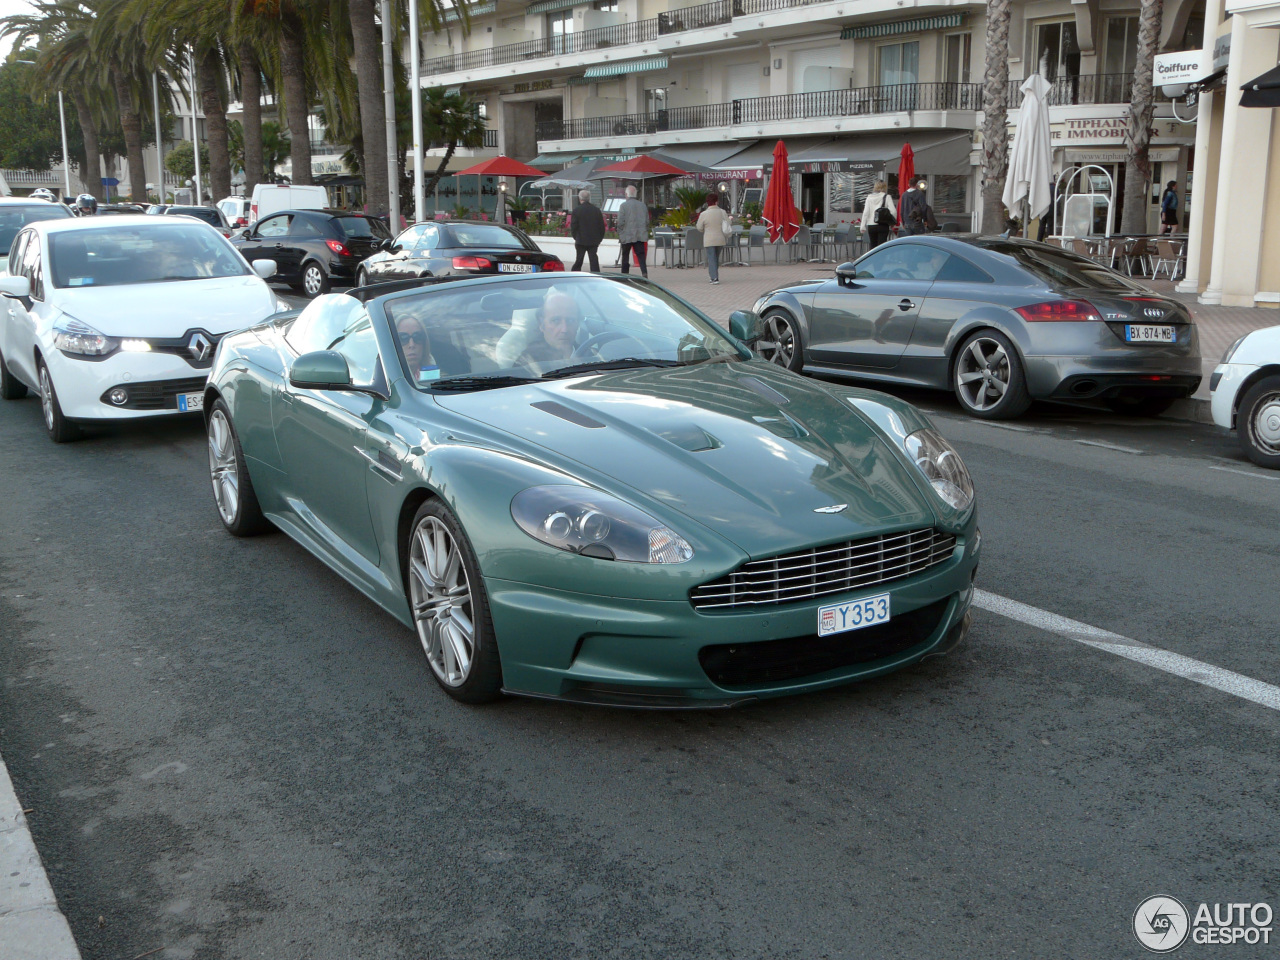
{"x": 312, "y": 248}
{"x": 453, "y": 248}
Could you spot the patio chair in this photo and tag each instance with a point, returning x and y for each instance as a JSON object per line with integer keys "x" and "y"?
{"x": 1138, "y": 254}
{"x": 1081, "y": 247}
{"x": 665, "y": 240}
{"x": 731, "y": 256}
{"x": 757, "y": 237}
{"x": 842, "y": 245}
{"x": 692, "y": 247}
{"x": 793, "y": 247}
{"x": 1168, "y": 257}
{"x": 817, "y": 242}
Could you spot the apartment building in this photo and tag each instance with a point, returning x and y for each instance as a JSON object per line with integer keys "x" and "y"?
{"x": 845, "y": 83}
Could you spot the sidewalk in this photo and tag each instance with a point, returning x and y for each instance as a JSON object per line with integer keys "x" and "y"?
{"x": 740, "y": 286}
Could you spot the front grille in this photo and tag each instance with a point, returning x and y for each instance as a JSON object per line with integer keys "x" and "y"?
{"x": 181, "y": 347}
{"x": 776, "y": 661}
{"x": 154, "y": 394}
{"x": 836, "y": 568}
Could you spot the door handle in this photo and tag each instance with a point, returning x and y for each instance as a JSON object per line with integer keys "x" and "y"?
{"x": 905, "y": 304}
{"x": 286, "y": 396}
{"x": 279, "y": 246}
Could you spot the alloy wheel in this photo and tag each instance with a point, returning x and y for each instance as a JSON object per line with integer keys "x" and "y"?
{"x": 312, "y": 281}
{"x": 982, "y": 373}
{"x": 46, "y": 396}
{"x": 223, "y": 467}
{"x": 441, "y": 597}
{"x": 778, "y": 345}
{"x": 1265, "y": 425}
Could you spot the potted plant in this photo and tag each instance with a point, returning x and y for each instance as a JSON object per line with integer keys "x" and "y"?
{"x": 519, "y": 208}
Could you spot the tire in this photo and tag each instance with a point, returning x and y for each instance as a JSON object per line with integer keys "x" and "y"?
{"x": 987, "y": 377}
{"x": 1258, "y": 423}
{"x": 436, "y": 583}
{"x": 61, "y": 430}
{"x": 233, "y": 492}
{"x": 362, "y": 278}
{"x": 781, "y": 343}
{"x": 11, "y": 388}
{"x": 314, "y": 280}
{"x": 1138, "y": 406}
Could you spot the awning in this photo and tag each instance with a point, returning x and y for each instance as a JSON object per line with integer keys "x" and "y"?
{"x": 937, "y": 151}
{"x": 942, "y": 22}
{"x": 1263, "y": 91}
{"x": 622, "y": 67}
{"x": 551, "y": 6}
{"x": 555, "y": 159}
{"x": 473, "y": 9}
{"x": 705, "y": 154}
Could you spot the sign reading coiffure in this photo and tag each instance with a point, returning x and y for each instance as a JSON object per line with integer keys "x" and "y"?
{"x": 1189, "y": 66}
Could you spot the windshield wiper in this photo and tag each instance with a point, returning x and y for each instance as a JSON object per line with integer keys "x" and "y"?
{"x": 479, "y": 383}
{"x": 621, "y": 363}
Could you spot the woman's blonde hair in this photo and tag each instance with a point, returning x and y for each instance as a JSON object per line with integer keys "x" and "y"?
{"x": 880, "y": 187}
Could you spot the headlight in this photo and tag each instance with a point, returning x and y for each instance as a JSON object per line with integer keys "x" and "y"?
{"x": 72, "y": 336}
{"x": 594, "y": 524}
{"x": 1231, "y": 350}
{"x": 941, "y": 466}
{"x": 283, "y": 305}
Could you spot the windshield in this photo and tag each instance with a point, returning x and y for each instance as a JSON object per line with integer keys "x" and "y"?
{"x": 546, "y": 328}
{"x": 207, "y": 214}
{"x": 1063, "y": 270}
{"x": 485, "y": 235}
{"x": 364, "y": 227}
{"x": 117, "y": 256}
{"x": 13, "y": 217}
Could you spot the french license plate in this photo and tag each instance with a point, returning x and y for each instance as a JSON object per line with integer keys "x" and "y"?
{"x": 516, "y": 268}
{"x": 190, "y": 402}
{"x": 854, "y": 615}
{"x": 1147, "y": 333}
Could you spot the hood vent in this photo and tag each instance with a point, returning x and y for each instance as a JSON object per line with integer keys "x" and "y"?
{"x": 691, "y": 437}
{"x": 783, "y": 426}
{"x": 766, "y": 391}
{"x": 557, "y": 409}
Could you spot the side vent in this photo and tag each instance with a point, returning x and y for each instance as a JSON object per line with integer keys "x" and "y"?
{"x": 557, "y": 409}
{"x": 762, "y": 388}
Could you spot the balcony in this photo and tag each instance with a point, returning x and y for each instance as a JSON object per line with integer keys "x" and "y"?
{"x": 1089, "y": 90}
{"x": 862, "y": 101}
{"x": 619, "y": 35}
{"x": 491, "y": 139}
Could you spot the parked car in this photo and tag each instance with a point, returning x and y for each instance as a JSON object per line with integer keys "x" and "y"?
{"x": 120, "y": 209}
{"x": 579, "y": 487}
{"x": 269, "y": 198}
{"x": 312, "y": 248}
{"x": 210, "y": 215}
{"x": 998, "y": 321}
{"x": 1244, "y": 393}
{"x": 18, "y": 212}
{"x": 456, "y": 247}
{"x": 119, "y": 319}
{"x": 236, "y": 210}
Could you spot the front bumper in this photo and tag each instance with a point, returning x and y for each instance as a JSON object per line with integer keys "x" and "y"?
{"x": 152, "y": 379}
{"x": 1225, "y": 386}
{"x": 648, "y": 653}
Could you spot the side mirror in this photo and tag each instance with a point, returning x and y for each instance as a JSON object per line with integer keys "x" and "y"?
{"x": 384, "y": 244}
{"x": 321, "y": 370}
{"x": 846, "y": 273}
{"x": 746, "y": 326}
{"x": 264, "y": 268}
{"x": 246, "y": 233}
{"x": 19, "y": 288}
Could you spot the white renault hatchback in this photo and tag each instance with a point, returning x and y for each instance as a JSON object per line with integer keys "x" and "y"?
{"x": 1245, "y": 394}
{"x": 118, "y": 318}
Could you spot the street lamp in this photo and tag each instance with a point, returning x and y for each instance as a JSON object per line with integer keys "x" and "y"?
{"x": 501, "y": 212}
{"x": 389, "y": 103}
{"x": 415, "y": 86}
{"x": 62, "y": 120}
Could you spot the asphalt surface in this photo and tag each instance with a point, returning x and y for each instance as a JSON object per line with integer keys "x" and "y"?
{"x": 229, "y": 753}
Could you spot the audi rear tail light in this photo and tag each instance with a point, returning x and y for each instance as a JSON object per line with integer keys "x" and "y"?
{"x": 338, "y": 247}
{"x": 552, "y": 265}
{"x": 472, "y": 263}
{"x": 1060, "y": 311}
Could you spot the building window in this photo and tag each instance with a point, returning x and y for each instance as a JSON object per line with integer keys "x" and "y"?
{"x": 1057, "y": 50}
{"x": 1122, "y": 45}
{"x": 605, "y": 6}
{"x": 655, "y": 100}
{"x": 560, "y": 30}
{"x": 950, "y": 193}
{"x": 956, "y": 67}
{"x": 900, "y": 63}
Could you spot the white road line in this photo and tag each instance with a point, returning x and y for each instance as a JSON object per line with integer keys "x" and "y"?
{"x": 1236, "y": 684}
{"x": 1109, "y": 446}
{"x": 1003, "y": 426}
{"x": 31, "y": 925}
{"x": 1245, "y": 473}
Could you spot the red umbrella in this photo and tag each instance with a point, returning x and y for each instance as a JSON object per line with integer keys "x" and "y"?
{"x": 779, "y": 204}
{"x": 906, "y": 173}
{"x": 501, "y": 166}
{"x": 644, "y": 164}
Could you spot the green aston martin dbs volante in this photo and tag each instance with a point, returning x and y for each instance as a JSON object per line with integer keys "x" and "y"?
{"x": 580, "y": 487}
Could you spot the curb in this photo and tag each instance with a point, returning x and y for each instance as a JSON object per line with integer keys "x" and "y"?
{"x": 31, "y": 925}
{"x": 1193, "y": 409}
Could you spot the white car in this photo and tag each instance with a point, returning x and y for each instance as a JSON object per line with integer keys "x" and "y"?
{"x": 236, "y": 210}
{"x": 17, "y": 212}
{"x": 119, "y": 319}
{"x": 1245, "y": 394}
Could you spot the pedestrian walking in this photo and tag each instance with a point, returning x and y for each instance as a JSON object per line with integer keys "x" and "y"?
{"x": 1169, "y": 207}
{"x": 714, "y": 224}
{"x": 633, "y": 232}
{"x": 878, "y": 214}
{"x": 587, "y": 230}
{"x": 917, "y": 215}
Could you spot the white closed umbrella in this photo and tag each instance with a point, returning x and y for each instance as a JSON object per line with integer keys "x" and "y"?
{"x": 1031, "y": 160}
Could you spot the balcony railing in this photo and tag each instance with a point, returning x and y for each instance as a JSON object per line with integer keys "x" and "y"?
{"x": 676, "y": 118}
{"x": 745, "y": 8}
{"x": 1093, "y": 89}
{"x": 619, "y": 35}
{"x": 491, "y": 139}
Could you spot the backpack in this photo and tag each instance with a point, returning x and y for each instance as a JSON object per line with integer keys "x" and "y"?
{"x": 883, "y": 217}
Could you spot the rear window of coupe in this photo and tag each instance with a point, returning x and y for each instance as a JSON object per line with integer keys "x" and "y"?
{"x": 486, "y": 235}
{"x": 1062, "y": 270}
{"x": 364, "y": 227}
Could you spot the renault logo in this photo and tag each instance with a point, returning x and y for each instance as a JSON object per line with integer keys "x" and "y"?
{"x": 200, "y": 347}
{"x": 834, "y": 508}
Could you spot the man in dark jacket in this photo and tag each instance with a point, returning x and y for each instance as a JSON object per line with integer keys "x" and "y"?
{"x": 588, "y": 230}
{"x": 915, "y": 210}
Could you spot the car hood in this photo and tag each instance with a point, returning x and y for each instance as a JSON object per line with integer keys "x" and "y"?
{"x": 169, "y": 309}
{"x": 746, "y": 450}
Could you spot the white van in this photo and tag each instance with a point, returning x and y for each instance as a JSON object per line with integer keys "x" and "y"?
{"x": 270, "y": 197}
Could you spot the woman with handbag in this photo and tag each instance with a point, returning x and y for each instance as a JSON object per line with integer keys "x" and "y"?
{"x": 878, "y": 214}
{"x": 1169, "y": 208}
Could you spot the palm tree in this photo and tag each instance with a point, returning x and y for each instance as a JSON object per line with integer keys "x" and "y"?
{"x": 995, "y": 112}
{"x": 367, "y": 45}
{"x": 127, "y": 62}
{"x": 1137, "y": 168}
{"x": 251, "y": 98}
{"x": 286, "y": 27}
{"x": 450, "y": 119}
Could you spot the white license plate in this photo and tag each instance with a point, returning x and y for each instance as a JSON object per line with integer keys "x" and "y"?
{"x": 189, "y": 402}
{"x": 516, "y": 268}
{"x": 1146, "y": 333}
{"x": 854, "y": 615}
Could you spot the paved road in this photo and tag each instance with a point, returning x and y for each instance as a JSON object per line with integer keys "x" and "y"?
{"x": 229, "y": 753}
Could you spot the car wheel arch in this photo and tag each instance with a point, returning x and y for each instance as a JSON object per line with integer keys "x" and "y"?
{"x": 409, "y": 508}
{"x": 795, "y": 311}
{"x": 960, "y": 332}
{"x": 1266, "y": 370}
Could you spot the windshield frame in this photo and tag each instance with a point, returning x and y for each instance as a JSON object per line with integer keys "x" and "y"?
{"x": 231, "y": 254}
